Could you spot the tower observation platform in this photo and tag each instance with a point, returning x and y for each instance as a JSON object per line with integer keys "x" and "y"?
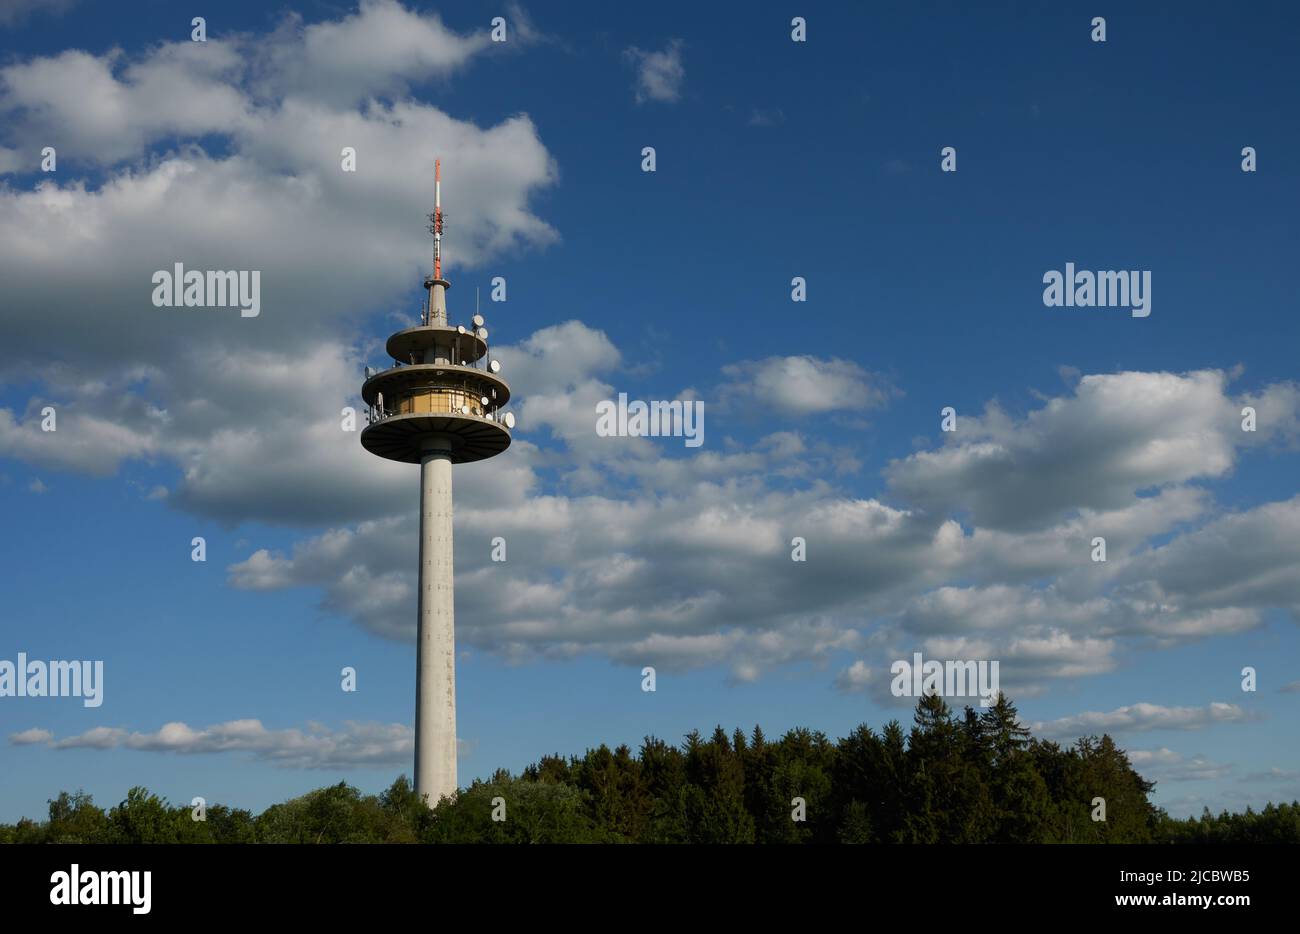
{"x": 440, "y": 392}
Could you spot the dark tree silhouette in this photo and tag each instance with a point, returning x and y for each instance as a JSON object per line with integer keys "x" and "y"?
{"x": 976, "y": 777}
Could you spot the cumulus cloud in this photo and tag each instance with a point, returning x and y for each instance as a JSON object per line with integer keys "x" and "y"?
{"x": 240, "y": 405}
{"x": 381, "y": 49}
{"x": 802, "y": 385}
{"x": 659, "y": 75}
{"x": 102, "y": 109}
{"x": 100, "y": 737}
{"x": 106, "y": 108}
{"x": 642, "y": 582}
{"x": 1143, "y": 717}
{"x": 84, "y": 440}
{"x": 1117, "y": 435}
{"x": 1166, "y": 765}
{"x": 316, "y": 747}
{"x": 690, "y": 564}
{"x": 1246, "y": 559}
{"x": 855, "y": 679}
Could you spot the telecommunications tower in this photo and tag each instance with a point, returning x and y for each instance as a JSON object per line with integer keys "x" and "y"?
{"x": 441, "y": 403}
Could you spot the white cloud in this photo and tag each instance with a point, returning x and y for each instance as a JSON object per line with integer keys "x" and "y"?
{"x": 1117, "y": 435}
{"x": 76, "y": 103}
{"x": 998, "y": 607}
{"x": 1244, "y": 560}
{"x": 103, "y": 109}
{"x": 802, "y": 385}
{"x": 659, "y": 75}
{"x": 1143, "y": 717}
{"x": 381, "y": 49}
{"x": 855, "y": 679}
{"x": 240, "y": 405}
{"x": 689, "y": 568}
{"x": 100, "y": 737}
{"x": 1165, "y": 765}
{"x": 84, "y": 441}
{"x": 316, "y": 747}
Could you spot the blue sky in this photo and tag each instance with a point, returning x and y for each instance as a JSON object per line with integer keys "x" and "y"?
{"x": 775, "y": 159}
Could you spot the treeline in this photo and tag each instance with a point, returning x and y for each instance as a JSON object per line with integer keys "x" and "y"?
{"x": 972, "y": 778}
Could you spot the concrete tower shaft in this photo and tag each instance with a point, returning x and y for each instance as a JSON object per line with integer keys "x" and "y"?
{"x": 435, "y": 660}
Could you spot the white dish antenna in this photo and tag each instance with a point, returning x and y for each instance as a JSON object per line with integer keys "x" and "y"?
{"x": 482, "y": 334}
{"x": 460, "y": 328}
{"x": 484, "y": 400}
{"x": 478, "y": 321}
{"x": 495, "y": 366}
{"x": 464, "y": 410}
{"x": 509, "y": 419}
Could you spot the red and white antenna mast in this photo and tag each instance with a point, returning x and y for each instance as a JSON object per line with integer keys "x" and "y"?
{"x": 437, "y": 218}
{"x": 437, "y": 285}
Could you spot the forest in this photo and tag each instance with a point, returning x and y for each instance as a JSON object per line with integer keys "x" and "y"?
{"x": 973, "y": 777}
